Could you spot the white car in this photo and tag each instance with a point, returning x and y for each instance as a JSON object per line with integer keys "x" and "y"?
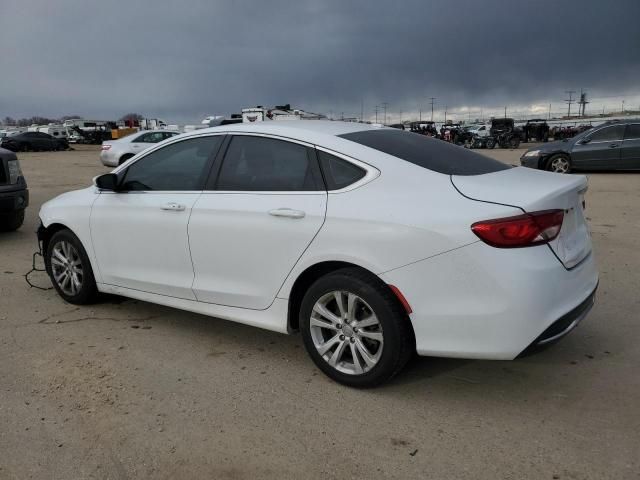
{"x": 479, "y": 130}
{"x": 375, "y": 243}
{"x": 116, "y": 152}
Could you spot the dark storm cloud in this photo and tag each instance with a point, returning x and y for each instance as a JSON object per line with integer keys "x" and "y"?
{"x": 183, "y": 60}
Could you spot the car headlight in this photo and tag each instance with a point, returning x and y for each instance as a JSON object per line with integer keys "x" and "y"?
{"x": 532, "y": 153}
{"x": 14, "y": 171}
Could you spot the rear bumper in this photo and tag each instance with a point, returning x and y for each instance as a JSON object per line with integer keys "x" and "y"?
{"x": 490, "y": 303}
{"x": 108, "y": 158}
{"x": 13, "y": 200}
{"x": 563, "y": 325}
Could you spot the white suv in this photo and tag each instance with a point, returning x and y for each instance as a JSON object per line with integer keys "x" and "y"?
{"x": 116, "y": 152}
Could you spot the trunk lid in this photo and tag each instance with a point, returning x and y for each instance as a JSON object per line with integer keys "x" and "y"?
{"x": 535, "y": 190}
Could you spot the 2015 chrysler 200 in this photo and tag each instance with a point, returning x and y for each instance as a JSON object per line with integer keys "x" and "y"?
{"x": 373, "y": 242}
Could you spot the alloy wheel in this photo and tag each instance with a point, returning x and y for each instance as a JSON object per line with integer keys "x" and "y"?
{"x": 66, "y": 266}
{"x": 346, "y": 332}
{"x": 560, "y": 165}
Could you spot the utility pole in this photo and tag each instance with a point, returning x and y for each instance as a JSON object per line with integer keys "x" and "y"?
{"x": 400, "y": 116}
{"x": 384, "y": 105}
{"x": 569, "y": 101}
{"x": 362, "y": 110}
{"x": 432, "y": 101}
{"x": 420, "y": 118}
{"x": 549, "y": 112}
{"x": 623, "y": 107}
{"x": 445, "y": 114}
{"x": 376, "y": 113}
{"x": 505, "y": 111}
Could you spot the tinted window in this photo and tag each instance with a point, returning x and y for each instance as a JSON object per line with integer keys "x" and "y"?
{"x": 266, "y": 164}
{"x": 339, "y": 173}
{"x": 179, "y": 166}
{"x": 436, "y": 155}
{"x": 633, "y": 131}
{"x": 151, "y": 137}
{"x": 608, "y": 134}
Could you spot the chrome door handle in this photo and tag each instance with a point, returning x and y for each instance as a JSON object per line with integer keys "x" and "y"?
{"x": 176, "y": 207}
{"x": 613, "y": 145}
{"x": 287, "y": 212}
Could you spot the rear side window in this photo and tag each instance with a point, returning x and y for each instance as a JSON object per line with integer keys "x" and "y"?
{"x": 426, "y": 152}
{"x": 633, "y": 131}
{"x": 266, "y": 164}
{"x": 338, "y": 173}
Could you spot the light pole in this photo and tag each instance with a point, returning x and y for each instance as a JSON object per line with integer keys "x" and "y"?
{"x": 384, "y": 106}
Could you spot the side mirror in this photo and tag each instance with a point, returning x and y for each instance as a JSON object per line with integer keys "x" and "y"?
{"x": 108, "y": 181}
{"x": 584, "y": 141}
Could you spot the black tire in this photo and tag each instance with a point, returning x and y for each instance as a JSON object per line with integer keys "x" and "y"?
{"x": 555, "y": 161}
{"x": 88, "y": 292}
{"x": 398, "y": 341}
{"x": 491, "y": 143}
{"x": 124, "y": 158}
{"x": 11, "y": 221}
{"x": 514, "y": 142}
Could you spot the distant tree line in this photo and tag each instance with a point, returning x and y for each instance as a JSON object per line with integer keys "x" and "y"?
{"x": 25, "y": 122}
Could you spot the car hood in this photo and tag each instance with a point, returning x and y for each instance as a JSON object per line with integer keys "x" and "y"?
{"x": 557, "y": 146}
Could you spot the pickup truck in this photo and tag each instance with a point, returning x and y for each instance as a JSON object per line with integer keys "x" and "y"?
{"x": 14, "y": 196}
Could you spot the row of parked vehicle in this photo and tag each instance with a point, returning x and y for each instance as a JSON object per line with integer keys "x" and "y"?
{"x": 33, "y": 142}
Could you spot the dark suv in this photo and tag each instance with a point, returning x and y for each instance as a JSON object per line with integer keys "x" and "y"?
{"x": 14, "y": 196}
{"x": 613, "y": 145}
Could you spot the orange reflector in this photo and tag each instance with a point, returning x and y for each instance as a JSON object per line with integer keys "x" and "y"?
{"x": 396, "y": 291}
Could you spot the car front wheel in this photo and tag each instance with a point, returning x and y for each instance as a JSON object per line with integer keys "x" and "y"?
{"x": 354, "y": 328}
{"x": 559, "y": 164}
{"x": 69, "y": 269}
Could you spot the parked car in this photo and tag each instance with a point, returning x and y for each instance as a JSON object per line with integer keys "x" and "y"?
{"x": 33, "y": 141}
{"x": 116, "y": 152}
{"x": 610, "y": 146}
{"x": 373, "y": 242}
{"x": 14, "y": 195}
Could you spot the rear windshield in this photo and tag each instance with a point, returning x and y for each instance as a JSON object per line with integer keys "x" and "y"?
{"x": 426, "y": 152}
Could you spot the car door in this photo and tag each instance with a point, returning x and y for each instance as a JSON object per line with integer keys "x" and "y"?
{"x": 263, "y": 205}
{"x": 599, "y": 150}
{"x": 139, "y": 233}
{"x": 630, "y": 154}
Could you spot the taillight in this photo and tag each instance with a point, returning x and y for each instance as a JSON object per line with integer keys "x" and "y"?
{"x": 521, "y": 231}
{"x": 106, "y": 147}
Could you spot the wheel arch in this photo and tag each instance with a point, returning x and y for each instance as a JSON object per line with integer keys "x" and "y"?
{"x": 46, "y": 233}
{"x": 312, "y": 273}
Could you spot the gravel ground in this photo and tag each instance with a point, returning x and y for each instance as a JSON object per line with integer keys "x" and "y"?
{"x": 127, "y": 389}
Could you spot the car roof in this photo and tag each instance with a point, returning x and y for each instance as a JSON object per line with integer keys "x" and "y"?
{"x": 305, "y": 130}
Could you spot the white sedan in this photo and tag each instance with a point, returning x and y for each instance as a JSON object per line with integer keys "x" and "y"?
{"x": 116, "y": 152}
{"x": 374, "y": 243}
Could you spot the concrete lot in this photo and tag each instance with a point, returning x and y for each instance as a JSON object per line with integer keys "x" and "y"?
{"x": 126, "y": 389}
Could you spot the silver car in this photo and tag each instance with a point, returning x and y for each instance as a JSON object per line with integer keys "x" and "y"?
{"x": 116, "y": 152}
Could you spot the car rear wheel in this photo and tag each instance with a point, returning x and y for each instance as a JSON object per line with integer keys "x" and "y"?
{"x": 354, "y": 328}
{"x": 69, "y": 268}
{"x": 491, "y": 143}
{"x": 11, "y": 221}
{"x": 559, "y": 164}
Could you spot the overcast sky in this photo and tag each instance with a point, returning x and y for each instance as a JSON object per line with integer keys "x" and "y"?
{"x": 194, "y": 58}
